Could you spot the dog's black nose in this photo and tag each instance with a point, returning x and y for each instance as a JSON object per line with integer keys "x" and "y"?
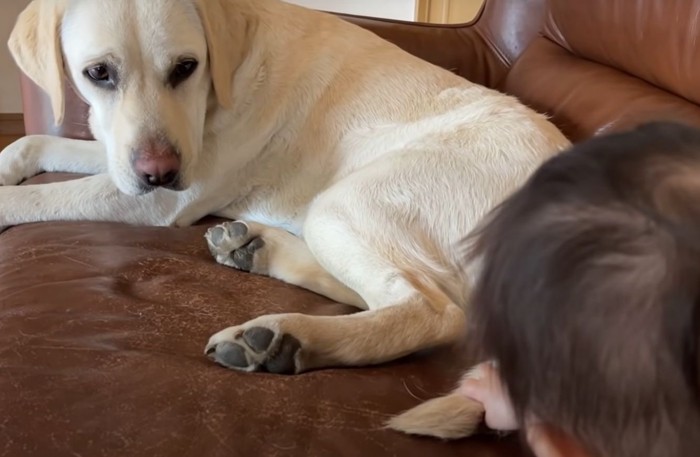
{"x": 160, "y": 179}
{"x": 160, "y": 171}
{"x": 157, "y": 163}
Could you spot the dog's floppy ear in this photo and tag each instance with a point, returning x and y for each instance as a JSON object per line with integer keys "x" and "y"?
{"x": 226, "y": 28}
{"x": 35, "y": 45}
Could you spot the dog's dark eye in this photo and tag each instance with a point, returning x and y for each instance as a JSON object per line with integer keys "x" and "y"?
{"x": 182, "y": 71}
{"x": 101, "y": 75}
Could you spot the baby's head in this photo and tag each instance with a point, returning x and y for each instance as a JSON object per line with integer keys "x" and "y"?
{"x": 589, "y": 295}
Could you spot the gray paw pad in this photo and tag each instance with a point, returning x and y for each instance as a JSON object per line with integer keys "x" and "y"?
{"x": 256, "y": 349}
{"x": 258, "y": 338}
{"x": 230, "y": 355}
{"x": 283, "y": 362}
{"x": 216, "y": 235}
{"x": 244, "y": 257}
{"x": 232, "y": 244}
{"x": 238, "y": 229}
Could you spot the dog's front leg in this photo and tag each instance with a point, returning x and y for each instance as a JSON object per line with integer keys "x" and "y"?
{"x": 34, "y": 154}
{"x": 271, "y": 251}
{"x": 94, "y": 198}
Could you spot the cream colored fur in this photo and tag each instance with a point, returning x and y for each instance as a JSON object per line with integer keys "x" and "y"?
{"x": 359, "y": 166}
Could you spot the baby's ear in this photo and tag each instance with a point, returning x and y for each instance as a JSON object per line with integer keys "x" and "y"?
{"x": 546, "y": 441}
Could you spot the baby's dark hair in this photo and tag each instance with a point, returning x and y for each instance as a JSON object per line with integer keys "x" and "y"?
{"x": 589, "y": 288}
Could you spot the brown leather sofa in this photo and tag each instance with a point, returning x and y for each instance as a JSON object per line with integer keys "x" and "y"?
{"x": 102, "y": 325}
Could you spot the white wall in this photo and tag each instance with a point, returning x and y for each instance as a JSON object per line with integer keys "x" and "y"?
{"x": 393, "y": 9}
{"x": 10, "y": 98}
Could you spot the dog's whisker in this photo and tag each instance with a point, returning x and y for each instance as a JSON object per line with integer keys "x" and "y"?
{"x": 411, "y": 393}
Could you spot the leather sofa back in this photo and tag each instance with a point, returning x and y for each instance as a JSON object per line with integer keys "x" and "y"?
{"x": 594, "y": 66}
{"x": 604, "y": 65}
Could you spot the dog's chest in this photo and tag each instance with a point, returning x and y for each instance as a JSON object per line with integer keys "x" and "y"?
{"x": 266, "y": 195}
{"x": 269, "y": 207}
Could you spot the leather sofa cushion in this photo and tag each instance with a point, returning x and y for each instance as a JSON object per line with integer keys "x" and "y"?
{"x": 102, "y": 328}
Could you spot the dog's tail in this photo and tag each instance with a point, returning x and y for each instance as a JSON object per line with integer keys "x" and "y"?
{"x": 451, "y": 416}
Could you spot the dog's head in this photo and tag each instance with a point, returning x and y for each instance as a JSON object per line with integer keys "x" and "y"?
{"x": 149, "y": 70}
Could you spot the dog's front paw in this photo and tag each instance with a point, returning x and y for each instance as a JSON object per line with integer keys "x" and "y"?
{"x": 255, "y": 346}
{"x": 236, "y": 245}
{"x": 19, "y": 161}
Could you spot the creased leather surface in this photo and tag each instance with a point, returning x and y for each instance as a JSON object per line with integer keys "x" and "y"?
{"x": 586, "y": 98}
{"x": 651, "y": 39}
{"x": 102, "y": 328}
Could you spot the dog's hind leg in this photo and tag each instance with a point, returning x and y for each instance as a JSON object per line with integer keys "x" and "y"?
{"x": 406, "y": 312}
{"x": 294, "y": 343}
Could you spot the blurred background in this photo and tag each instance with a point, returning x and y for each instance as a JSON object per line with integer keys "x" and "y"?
{"x": 434, "y": 11}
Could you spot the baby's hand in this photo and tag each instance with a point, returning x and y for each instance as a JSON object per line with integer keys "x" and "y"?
{"x": 484, "y": 385}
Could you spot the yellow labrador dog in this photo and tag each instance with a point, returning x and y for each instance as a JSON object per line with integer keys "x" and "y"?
{"x": 348, "y": 166}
